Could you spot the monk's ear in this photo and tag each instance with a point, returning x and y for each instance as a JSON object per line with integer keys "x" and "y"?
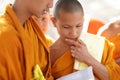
{"x": 53, "y": 21}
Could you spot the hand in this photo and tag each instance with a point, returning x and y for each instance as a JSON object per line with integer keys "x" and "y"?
{"x": 79, "y": 50}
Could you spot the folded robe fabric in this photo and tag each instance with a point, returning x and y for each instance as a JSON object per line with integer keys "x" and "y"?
{"x": 21, "y": 48}
{"x": 64, "y": 64}
{"x": 116, "y": 41}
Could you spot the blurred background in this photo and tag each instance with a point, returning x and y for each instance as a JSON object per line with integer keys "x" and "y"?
{"x": 104, "y": 10}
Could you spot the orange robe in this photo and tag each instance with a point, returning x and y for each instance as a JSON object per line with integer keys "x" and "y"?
{"x": 21, "y": 48}
{"x": 64, "y": 65}
{"x": 116, "y": 41}
{"x": 48, "y": 38}
{"x": 94, "y": 26}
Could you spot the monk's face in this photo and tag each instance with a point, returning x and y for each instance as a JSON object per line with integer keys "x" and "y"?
{"x": 69, "y": 25}
{"x": 38, "y": 7}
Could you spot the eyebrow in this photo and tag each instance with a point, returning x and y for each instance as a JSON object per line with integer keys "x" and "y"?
{"x": 71, "y": 26}
{"x": 66, "y": 25}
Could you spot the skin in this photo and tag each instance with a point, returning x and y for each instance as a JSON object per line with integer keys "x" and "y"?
{"x": 30, "y": 8}
{"x": 80, "y": 52}
{"x": 45, "y": 21}
{"x": 69, "y": 29}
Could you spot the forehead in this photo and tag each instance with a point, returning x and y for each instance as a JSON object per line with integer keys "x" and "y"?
{"x": 62, "y": 13}
{"x": 70, "y": 17}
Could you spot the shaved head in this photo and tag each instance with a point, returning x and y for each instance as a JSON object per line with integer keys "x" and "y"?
{"x": 68, "y": 6}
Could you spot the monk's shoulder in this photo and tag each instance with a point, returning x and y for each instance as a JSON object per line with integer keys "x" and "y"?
{"x": 7, "y": 33}
{"x": 109, "y": 30}
{"x": 112, "y": 30}
{"x": 6, "y": 26}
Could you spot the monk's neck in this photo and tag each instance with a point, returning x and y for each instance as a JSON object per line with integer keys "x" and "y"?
{"x": 63, "y": 44}
{"x": 20, "y": 13}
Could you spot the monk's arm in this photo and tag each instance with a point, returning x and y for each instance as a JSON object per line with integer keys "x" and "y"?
{"x": 99, "y": 69}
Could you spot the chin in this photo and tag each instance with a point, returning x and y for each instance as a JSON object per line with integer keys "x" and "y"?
{"x": 38, "y": 16}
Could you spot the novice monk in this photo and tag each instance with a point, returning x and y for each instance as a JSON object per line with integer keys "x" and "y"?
{"x": 68, "y": 19}
{"x": 112, "y": 32}
{"x": 24, "y": 53}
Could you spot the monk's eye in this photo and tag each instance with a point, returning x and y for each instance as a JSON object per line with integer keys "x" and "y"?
{"x": 79, "y": 26}
{"x": 66, "y": 27}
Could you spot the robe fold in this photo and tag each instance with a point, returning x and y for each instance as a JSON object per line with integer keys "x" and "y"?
{"x": 21, "y": 48}
{"x": 64, "y": 64}
{"x": 116, "y": 41}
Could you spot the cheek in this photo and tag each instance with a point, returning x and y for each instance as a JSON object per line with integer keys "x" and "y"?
{"x": 33, "y": 9}
{"x": 65, "y": 34}
{"x": 79, "y": 31}
{"x": 37, "y": 6}
{"x": 62, "y": 33}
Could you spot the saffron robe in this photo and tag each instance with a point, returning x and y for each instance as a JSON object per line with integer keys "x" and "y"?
{"x": 116, "y": 41}
{"x": 94, "y": 25}
{"x": 21, "y": 48}
{"x": 64, "y": 64}
{"x": 50, "y": 41}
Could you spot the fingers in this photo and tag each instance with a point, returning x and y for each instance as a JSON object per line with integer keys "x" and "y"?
{"x": 81, "y": 42}
{"x": 72, "y": 42}
{"x": 73, "y": 51}
{"x": 76, "y": 43}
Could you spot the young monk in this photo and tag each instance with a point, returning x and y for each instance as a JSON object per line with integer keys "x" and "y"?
{"x": 24, "y": 53}
{"x": 68, "y": 19}
{"x": 112, "y": 32}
